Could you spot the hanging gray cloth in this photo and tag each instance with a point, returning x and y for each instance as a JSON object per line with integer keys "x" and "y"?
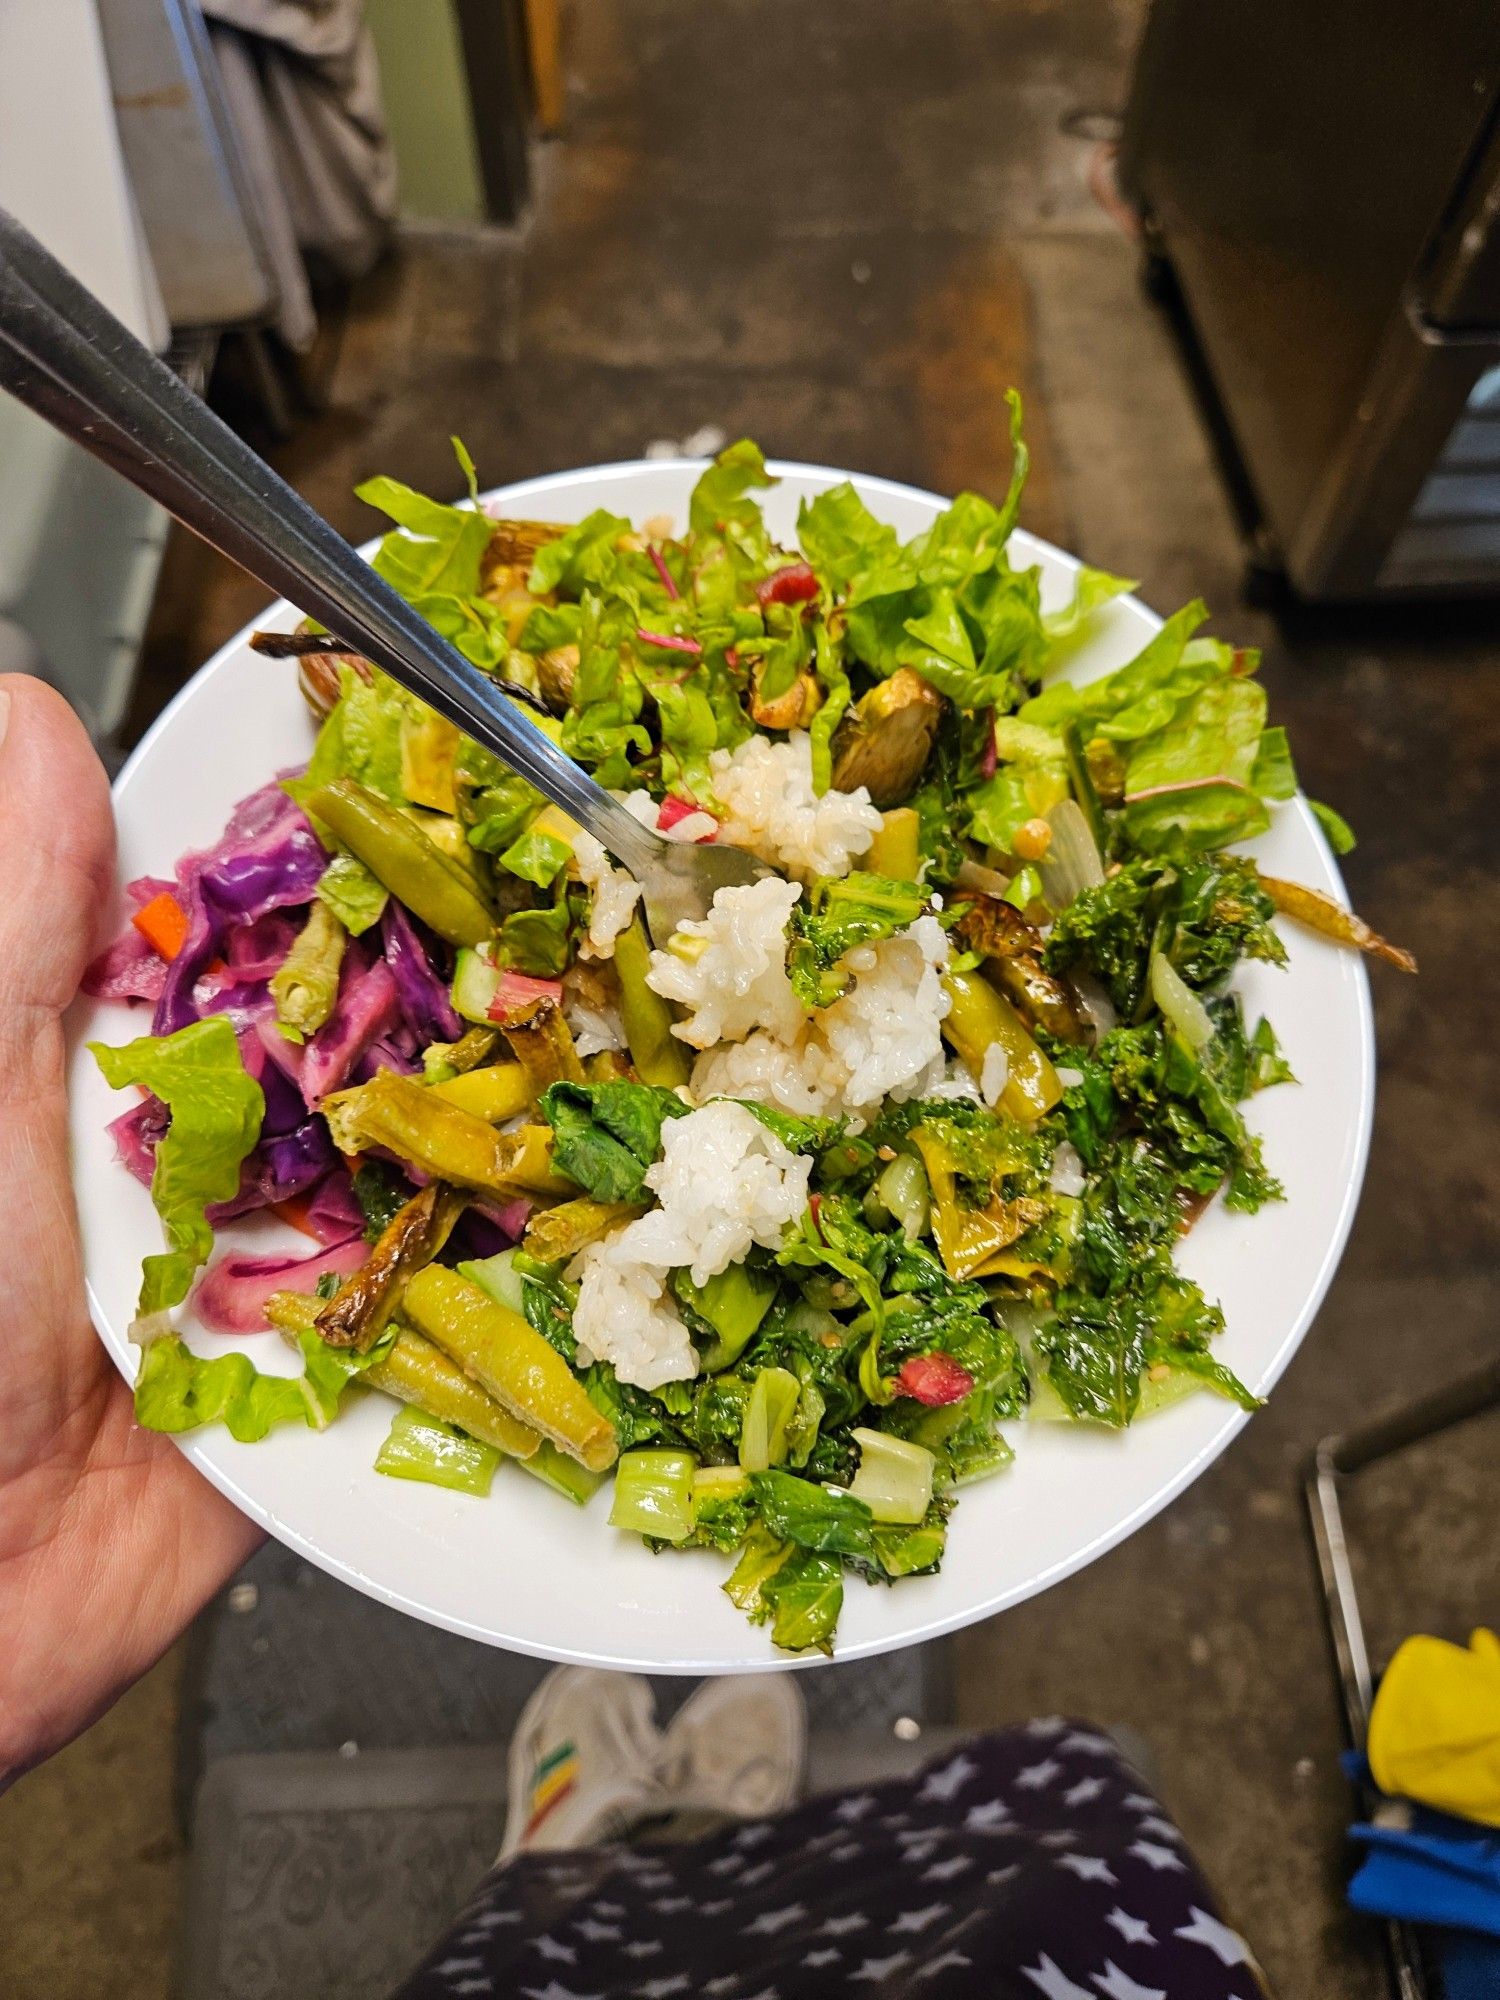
{"x": 304, "y": 91}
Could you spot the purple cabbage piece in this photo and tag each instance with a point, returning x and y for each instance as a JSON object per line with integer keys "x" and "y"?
{"x": 424, "y": 991}
{"x": 332, "y": 1210}
{"x": 128, "y": 969}
{"x": 255, "y": 951}
{"x": 477, "y": 1235}
{"x": 268, "y": 859}
{"x": 366, "y": 1010}
{"x": 286, "y": 1164}
{"x": 137, "y": 1133}
{"x": 392, "y": 1051}
{"x": 232, "y": 1293}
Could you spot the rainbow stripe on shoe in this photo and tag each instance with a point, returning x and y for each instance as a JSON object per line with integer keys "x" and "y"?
{"x": 554, "y": 1777}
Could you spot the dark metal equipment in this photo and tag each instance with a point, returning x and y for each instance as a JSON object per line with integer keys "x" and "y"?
{"x": 1337, "y": 1459}
{"x": 1320, "y": 193}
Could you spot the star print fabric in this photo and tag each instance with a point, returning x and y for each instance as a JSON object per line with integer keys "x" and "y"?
{"x": 1028, "y": 1865}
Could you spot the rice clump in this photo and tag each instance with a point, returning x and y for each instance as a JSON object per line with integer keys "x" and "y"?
{"x": 615, "y": 895}
{"x": 769, "y": 806}
{"x": 724, "y": 1182}
{"x": 882, "y": 1039}
{"x": 730, "y": 967}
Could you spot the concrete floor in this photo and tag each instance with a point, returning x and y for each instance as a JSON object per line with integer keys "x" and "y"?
{"x": 845, "y": 231}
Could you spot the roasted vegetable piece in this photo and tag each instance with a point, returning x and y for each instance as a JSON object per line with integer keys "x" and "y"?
{"x": 999, "y": 932}
{"x": 401, "y": 857}
{"x": 1321, "y": 913}
{"x": 359, "y": 1309}
{"x": 556, "y": 673}
{"x": 555, "y": 1233}
{"x": 896, "y": 849}
{"x": 515, "y": 543}
{"x": 494, "y": 1093}
{"x": 410, "y": 1120}
{"x": 516, "y": 1365}
{"x": 307, "y": 985}
{"x": 417, "y": 1372}
{"x": 475, "y": 1047}
{"x": 657, "y": 1054}
{"x": 793, "y": 709}
{"x": 978, "y": 1018}
{"x": 542, "y": 1044}
{"x": 884, "y": 740}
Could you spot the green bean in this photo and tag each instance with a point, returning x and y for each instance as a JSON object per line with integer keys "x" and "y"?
{"x": 658, "y": 1055}
{"x": 417, "y": 1372}
{"x": 401, "y": 857}
{"x": 412, "y": 1121}
{"x": 515, "y": 1364}
{"x": 555, "y": 1233}
{"x": 359, "y": 1309}
{"x": 307, "y": 986}
{"x": 496, "y": 1092}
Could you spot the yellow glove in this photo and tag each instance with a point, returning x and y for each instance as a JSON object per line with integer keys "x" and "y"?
{"x": 1435, "y": 1726}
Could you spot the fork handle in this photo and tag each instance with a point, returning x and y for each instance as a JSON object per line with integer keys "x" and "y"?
{"x": 69, "y": 359}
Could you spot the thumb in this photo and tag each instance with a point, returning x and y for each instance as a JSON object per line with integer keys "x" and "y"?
{"x": 57, "y": 847}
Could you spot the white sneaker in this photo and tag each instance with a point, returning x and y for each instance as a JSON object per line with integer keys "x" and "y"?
{"x": 583, "y": 1761}
{"x": 737, "y": 1745}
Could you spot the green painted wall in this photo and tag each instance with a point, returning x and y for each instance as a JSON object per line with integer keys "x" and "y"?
{"x": 427, "y": 105}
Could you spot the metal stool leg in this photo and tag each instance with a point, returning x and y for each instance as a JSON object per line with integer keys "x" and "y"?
{"x": 1337, "y": 1458}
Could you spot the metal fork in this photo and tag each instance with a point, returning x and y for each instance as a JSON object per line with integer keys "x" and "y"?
{"x": 69, "y": 359}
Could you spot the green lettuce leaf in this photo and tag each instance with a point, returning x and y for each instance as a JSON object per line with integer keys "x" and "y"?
{"x": 1092, "y": 589}
{"x": 721, "y": 502}
{"x": 216, "y": 1109}
{"x": 352, "y": 893}
{"x": 841, "y": 538}
{"x": 605, "y": 1135}
{"x": 583, "y": 556}
{"x": 1336, "y": 829}
{"x": 177, "y": 1390}
{"x": 436, "y": 552}
{"x": 833, "y": 678}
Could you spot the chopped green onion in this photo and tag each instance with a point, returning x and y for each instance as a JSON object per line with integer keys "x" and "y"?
{"x": 773, "y": 1400}
{"x": 894, "y": 1478}
{"x": 499, "y": 1277}
{"x": 1180, "y": 1005}
{"x": 562, "y": 1473}
{"x": 654, "y": 1494}
{"x": 419, "y": 1447}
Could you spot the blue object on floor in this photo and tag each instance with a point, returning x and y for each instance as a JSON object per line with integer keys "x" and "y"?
{"x": 1470, "y": 1965}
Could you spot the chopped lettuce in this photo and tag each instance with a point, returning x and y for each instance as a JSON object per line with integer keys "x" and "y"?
{"x": 177, "y": 1390}
{"x": 216, "y": 1109}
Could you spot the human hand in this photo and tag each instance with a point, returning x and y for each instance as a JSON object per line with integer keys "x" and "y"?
{"x": 109, "y": 1540}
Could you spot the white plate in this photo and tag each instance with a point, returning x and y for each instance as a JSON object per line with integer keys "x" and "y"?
{"x": 525, "y": 1569}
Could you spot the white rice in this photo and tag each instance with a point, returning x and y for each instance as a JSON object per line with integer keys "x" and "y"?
{"x": 769, "y": 806}
{"x": 994, "y": 1075}
{"x": 593, "y": 1019}
{"x": 723, "y": 1184}
{"x": 882, "y": 1039}
{"x": 1067, "y": 1169}
{"x": 615, "y": 895}
{"x": 802, "y": 1077}
{"x": 738, "y": 981}
{"x": 625, "y": 1316}
{"x": 887, "y": 1030}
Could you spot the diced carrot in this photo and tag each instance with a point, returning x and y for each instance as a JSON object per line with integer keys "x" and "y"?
{"x": 295, "y": 1211}
{"x": 163, "y": 923}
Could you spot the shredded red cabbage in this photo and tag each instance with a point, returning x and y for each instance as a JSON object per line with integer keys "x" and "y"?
{"x": 368, "y": 1008}
{"x": 423, "y": 989}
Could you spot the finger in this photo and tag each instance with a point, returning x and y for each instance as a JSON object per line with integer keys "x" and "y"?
{"x": 57, "y": 847}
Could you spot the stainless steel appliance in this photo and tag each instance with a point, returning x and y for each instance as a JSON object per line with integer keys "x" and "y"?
{"x": 1320, "y": 190}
